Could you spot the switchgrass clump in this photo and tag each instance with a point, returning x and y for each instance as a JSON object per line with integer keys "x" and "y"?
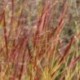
{"x": 36, "y": 53}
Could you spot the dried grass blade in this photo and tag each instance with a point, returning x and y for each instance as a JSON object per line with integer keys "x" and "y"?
{"x": 67, "y": 50}
{"x": 73, "y": 62}
{"x": 5, "y": 34}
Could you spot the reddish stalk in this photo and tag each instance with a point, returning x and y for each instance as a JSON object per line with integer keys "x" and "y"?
{"x": 73, "y": 62}
{"x": 67, "y": 50}
{"x": 5, "y": 34}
